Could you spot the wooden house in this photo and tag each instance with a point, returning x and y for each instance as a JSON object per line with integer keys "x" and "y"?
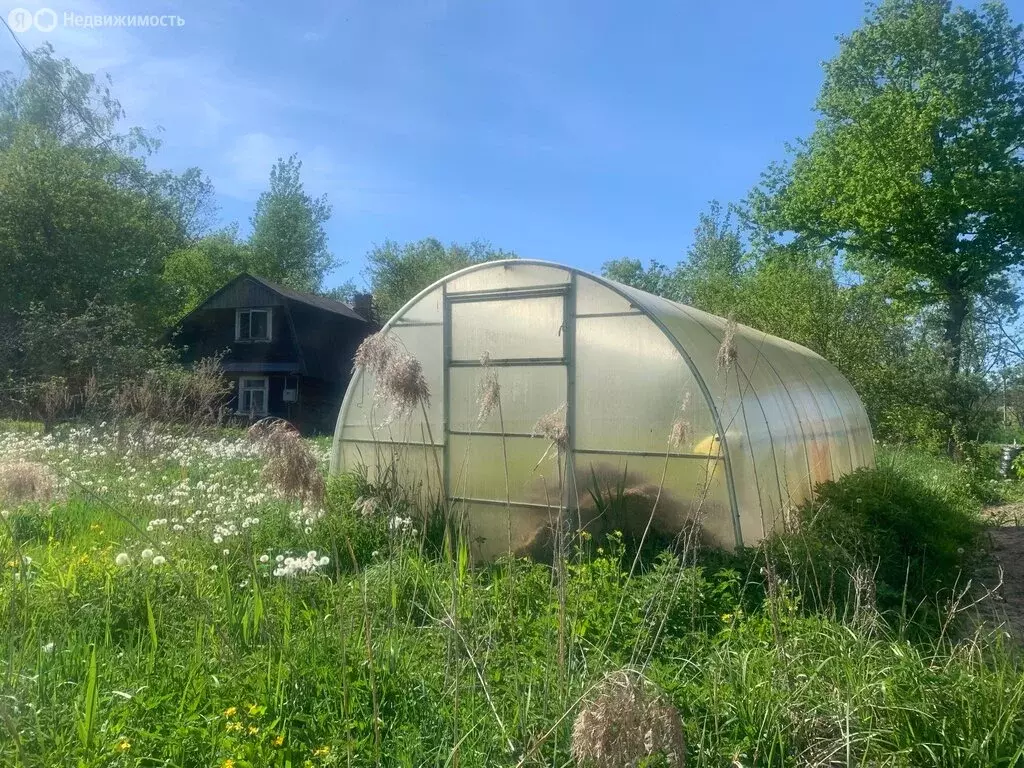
{"x": 288, "y": 354}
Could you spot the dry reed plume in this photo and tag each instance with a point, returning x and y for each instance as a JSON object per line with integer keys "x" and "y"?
{"x": 552, "y": 426}
{"x": 726, "y": 357}
{"x": 291, "y": 468}
{"x": 22, "y": 481}
{"x": 681, "y": 426}
{"x": 399, "y": 376}
{"x": 488, "y": 391}
{"x": 626, "y": 720}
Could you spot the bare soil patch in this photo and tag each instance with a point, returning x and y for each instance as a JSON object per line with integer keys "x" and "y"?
{"x": 1005, "y": 540}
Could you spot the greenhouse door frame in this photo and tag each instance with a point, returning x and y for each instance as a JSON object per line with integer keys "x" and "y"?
{"x": 567, "y": 331}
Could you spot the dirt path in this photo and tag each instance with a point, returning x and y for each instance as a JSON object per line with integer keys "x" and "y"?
{"x": 1006, "y": 547}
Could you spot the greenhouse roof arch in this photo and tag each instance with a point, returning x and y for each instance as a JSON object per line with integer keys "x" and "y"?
{"x": 679, "y": 415}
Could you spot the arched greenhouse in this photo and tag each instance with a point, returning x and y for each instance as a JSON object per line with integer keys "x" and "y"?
{"x": 558, "y": 395}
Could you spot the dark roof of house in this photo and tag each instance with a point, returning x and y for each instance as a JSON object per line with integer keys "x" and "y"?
{"x": 311, "y": 299}
{"x": 326, "y": 331}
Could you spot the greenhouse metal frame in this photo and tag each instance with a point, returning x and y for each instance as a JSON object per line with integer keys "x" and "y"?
{"x": 662, "y": 410}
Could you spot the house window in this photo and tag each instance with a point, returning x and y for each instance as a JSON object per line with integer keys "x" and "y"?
{"x": 252, "y": 395}
{"x": 252, "y": 325}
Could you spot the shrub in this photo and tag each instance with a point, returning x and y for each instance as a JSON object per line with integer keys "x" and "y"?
{"x": 171, "y": 394}
{"x": 912, "y": 538}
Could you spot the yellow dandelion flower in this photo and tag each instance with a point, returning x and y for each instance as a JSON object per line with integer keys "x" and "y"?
{"x": 255, "y": 709}
{"x": 279, "y": 741}
{"x": 230, "y": 711}
{"x": 229, "y": 763}
{"x": 253, "y": 730}
{"x": 323, "y": 751}
{"x": 124, "y": 745}
{"x": 233, "y": 727}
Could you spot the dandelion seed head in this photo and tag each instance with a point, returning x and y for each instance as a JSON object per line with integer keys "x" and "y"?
{"x": 123, "y": 560}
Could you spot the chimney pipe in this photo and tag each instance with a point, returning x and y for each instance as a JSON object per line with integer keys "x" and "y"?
{"x": 362, "y": 303}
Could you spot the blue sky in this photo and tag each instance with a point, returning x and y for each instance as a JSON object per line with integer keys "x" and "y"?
{"x": 576, "y": 132}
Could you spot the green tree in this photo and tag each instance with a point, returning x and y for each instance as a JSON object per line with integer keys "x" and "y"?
{"x": 82, "y": 219}
{"x": 188, "y": 198}
{"x": 398, "y": 272}
{"x": 915, "y": 170}
{"x": 193, "y": 273}
{"x": 69, "y": 237}
{"x": 710, "y": 276}
{"x": 289, "y": 244}
{"x": 655, "y": 278}
{"x": 58, "y": 99}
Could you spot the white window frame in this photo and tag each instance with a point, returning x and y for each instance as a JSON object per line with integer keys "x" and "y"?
{"x": 268, "y": 311}
{"x": 244, "y": 383}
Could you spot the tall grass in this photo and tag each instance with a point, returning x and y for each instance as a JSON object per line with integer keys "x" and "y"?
{"x": 403, "y": 654}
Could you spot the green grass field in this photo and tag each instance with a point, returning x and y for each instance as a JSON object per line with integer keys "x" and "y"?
{"x": 166, "y": 608}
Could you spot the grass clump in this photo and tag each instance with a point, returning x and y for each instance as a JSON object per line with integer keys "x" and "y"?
{"x": 22, "y": 481}
{"x": 627, "y": 721}
{"x": 898, "y": 537}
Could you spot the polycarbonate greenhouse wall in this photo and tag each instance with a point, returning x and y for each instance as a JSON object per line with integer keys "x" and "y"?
{"x": 665, "y": 407}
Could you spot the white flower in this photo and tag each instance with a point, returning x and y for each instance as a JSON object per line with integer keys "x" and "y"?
{"x": 122, "y": 559}
{"x": 48, "y": 648}
{"x": 264, "y": 558}
{"x": 311, "y": 554}
{"x": 325, "y": 560}
{"x": 147, "y": 554}
{"x": 213, "y": 567}
{"x": 159, "y": 560}
{"x": 308, "y": 530}
{"x": 218, "y": 539}
{"x": 279, "y": 559}
{"x": 227, "y": 551}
